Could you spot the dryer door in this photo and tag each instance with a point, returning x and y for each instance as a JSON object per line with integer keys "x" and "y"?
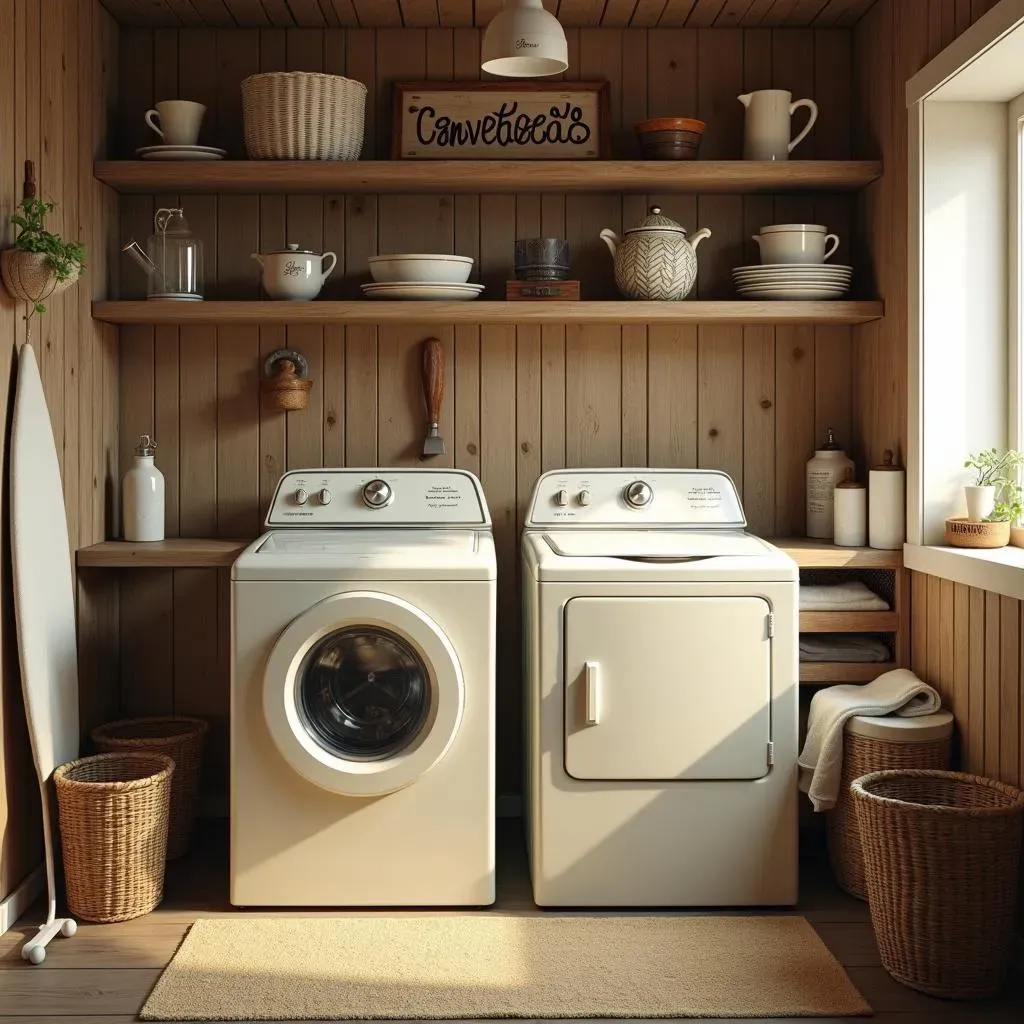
{"x": 363, "y": 693}
{"x": 667, "y": 688}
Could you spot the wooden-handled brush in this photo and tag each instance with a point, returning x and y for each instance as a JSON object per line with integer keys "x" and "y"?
{"x": 433, "y": 393}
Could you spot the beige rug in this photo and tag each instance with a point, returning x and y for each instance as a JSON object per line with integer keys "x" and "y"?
{"x": 486, "y": 965}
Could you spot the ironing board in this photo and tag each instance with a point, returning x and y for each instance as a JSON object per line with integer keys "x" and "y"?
{"x": 44, "y": 605}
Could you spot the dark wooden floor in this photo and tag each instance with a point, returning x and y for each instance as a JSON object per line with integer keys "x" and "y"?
{"x": 103, "y": 974}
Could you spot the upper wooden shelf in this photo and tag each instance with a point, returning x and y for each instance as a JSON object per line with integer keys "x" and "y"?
{"x": 819, "y": 554}
{"x": 451, "y": 176}
{"x": 368, "y": 311}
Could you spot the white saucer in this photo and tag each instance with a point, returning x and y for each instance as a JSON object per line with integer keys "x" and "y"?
{"x": 181, "y": 153}
{"x": 422, "y": 290}
{"x": 796, "y": 292}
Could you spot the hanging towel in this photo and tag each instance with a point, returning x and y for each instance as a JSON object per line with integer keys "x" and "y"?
{"x": 842, "y": 647}
{"x": 841, "y": 597}
{"x": 899, "y": 692}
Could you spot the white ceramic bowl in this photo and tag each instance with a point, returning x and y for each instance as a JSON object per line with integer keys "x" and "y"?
{"x": 420, "y": 268}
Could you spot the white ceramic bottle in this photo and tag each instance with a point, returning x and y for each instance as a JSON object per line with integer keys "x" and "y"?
{"x": 887, "y": 509}
{"x": 824, "y": 472}
{"x": 851, "y": 514}
{"x": 142, "y": 495}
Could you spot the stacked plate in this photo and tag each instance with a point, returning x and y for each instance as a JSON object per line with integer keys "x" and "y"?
{"x": 430, "y": 276}
{"x": 181, "y": 153}
{"x": 812, "y": 281}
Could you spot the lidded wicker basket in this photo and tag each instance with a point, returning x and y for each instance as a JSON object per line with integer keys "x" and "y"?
{"x": 303, "y": 115}
{"x": 114, "y": 810}
{"x": 942, "y": 861}
{"x": 873, "y": 744}
{"x": 180, "y": 739}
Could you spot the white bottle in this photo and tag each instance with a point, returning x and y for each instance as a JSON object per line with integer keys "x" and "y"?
{"x": 887, "y": 509}
{"x": 142, "y": 495}
{"x": 851, "y": 514}
{"x": 824, "y": 472}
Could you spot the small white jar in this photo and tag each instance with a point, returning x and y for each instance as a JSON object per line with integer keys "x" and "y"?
{"x": 142, "y": 495}
{"x": 851, "y": 515}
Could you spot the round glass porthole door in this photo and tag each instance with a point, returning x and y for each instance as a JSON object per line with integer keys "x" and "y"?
{"x": 363, "y": 693}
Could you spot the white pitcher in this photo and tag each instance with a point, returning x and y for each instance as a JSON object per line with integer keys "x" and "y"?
{"x": 768, "y": 125}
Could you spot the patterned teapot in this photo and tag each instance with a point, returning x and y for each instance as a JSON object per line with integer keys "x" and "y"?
{"x": 655, "y": 261}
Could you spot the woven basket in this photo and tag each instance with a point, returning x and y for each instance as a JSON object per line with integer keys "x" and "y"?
{"x": 941, "y": 859}
{"x": 180, "y": 739}
{"x": 29, "y": 277}
{"x": 962, "y": 533}
{"x": 861, "y": 755}
{"x": 300, "y": 115}
{"x": 113, "y": 823}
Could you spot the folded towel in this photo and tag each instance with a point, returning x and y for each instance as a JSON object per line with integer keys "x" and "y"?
{"x": 840, "y": 597}
{"x": 842, "y": 647}
{"x": 899, "y": 692}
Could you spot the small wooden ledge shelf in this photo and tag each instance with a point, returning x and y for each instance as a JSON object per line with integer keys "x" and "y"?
{"x": 178, "y": 553}
{"x": 813, "y": 672}
{"x": 488, "y": 176}
{"x": 849, "y": 622}
{"x": 255, "y": 313}
{"x": 819, "y": 554}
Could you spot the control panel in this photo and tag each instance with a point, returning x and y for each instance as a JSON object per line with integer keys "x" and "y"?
{"x": 644, "y": 498}
{"x": 378, "y": 497}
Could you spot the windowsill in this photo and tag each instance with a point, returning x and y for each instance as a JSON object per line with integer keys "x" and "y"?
{"x": 999, "y": 570}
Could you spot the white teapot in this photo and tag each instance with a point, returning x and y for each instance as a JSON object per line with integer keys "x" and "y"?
{"x": 655, "y": 261}
{"x": 294, "y": 273}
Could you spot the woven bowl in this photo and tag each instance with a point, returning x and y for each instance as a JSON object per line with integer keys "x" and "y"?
{"x": 962, "y": 533}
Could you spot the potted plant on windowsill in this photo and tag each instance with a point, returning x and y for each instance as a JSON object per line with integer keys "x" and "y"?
{"x": 994, "y": 502}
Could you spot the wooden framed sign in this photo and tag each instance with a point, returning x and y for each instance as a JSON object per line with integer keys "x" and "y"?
{"x": 501, "y": 121}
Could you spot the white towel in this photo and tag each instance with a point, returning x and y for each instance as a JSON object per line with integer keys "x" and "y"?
{"x": 840, "y": 597}
{"x": 842, "y": 647}
{"x": 899, "y": 692}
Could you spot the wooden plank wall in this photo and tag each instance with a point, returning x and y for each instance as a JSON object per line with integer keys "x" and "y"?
{"x": 518, "y": 401}
{"x": 58, "y": 80}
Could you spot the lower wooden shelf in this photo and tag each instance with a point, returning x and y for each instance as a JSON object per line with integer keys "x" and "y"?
{"x": 843, "y": 671}
{"x": 849, "y": 622}
{"x": 176, "y": 553}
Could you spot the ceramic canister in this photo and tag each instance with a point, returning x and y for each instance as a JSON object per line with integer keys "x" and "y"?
{"x": 850, "y": 525}
{"x": 825, "y": 470}
{"x": 887, "y": 508}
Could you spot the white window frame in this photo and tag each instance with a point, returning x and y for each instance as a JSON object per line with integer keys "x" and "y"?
{"x": 966, "y": 367}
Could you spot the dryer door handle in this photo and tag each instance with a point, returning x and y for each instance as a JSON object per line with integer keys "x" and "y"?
{"x": 592, "y": 694}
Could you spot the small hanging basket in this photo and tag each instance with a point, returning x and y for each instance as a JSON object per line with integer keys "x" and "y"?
{"x": 286, "y": 380}
{"x": 30, "y": 277}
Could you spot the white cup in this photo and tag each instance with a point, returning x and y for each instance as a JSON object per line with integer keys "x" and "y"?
{"x": 796, "y": 243}
{"x": 179, "y": 121}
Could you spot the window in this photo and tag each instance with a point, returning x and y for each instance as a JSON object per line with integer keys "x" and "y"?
{"x": 1016, "y": 269}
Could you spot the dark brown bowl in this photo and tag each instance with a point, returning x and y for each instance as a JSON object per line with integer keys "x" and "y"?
{"x": 670, "y": 145}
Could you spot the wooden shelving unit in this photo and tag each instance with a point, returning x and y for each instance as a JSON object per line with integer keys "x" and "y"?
{"x": 184, "y": 553}
{"x": 819, "y": 554}
{"x": 843, "y": 672}
{"x": 368, "y": 311}
{"x": 489, "y": 176}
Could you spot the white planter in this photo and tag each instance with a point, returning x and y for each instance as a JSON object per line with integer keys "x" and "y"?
{"x": 980, "y": 502}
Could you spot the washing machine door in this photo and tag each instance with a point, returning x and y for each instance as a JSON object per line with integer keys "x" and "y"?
{"x": 363, "y": 693}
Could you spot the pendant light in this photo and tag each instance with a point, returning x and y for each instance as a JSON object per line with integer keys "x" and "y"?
{"x": 524, "y": 41}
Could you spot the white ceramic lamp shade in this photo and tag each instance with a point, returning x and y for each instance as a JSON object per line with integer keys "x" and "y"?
{"x": 524, "y": 41}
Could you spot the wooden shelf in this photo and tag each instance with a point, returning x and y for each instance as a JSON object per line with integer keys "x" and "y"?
{"x": 475, "y": 176}
{"x": 368, "y": 311}
{"x": 849, "y": 622}
{"x": 183, "y": 553}
{"x": 843, "y": 671}
{"x": 819, "y": 554}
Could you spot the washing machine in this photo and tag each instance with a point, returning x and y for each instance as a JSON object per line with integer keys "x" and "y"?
{"x": 362, "y": 694}
{"x": 662, "y": 691}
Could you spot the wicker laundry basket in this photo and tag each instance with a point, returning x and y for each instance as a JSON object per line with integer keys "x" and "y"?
{"x": 876, "y": 744}
{"x": 302, "y": 115}
{"x": 180, "y": 739}
{"x": 942, "y": 860}
{"x": 113, "y": 812}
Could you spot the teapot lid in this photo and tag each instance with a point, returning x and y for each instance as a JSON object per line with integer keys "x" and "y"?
{"x": 292, "y": 248}
{"x": 655, "y": 221}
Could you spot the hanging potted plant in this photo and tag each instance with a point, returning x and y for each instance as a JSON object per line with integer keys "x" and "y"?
{"x": 41, "y": 263}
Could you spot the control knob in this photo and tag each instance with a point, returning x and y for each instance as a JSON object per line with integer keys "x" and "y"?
{"x": 301, "y": 497}
{"x": 639, "y": 494}
{"x": 583, "y": 497}
{"x": 325, "y": 496}
{"x": 562, "y": 497}
{"x": 377, "y": 494}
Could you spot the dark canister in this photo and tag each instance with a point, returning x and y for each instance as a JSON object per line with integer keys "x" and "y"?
{"x": 542, "y": 259}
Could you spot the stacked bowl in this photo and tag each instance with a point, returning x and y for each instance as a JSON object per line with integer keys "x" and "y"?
{"x": 793, "y": 265}
{"x": 421, "y": 276}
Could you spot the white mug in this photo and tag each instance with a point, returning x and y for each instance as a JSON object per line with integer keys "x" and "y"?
{"x": 179, "y": 121}
{"x": 795, "y": 243}
{"x": 768, "y": 124}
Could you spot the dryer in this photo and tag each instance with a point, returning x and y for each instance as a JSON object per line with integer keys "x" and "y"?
{"x": 661, "y": 676}
{"x": 362, "y": 694}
